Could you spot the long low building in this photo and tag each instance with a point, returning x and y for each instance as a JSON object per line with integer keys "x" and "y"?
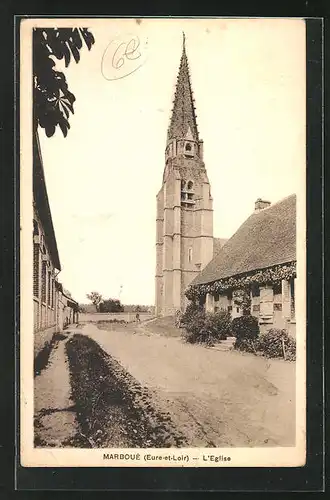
{"x": 53, "y": 308}
{"x": 255, "y": 270}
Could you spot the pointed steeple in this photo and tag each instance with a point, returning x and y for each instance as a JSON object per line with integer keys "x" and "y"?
{"x": 183, "y": 119}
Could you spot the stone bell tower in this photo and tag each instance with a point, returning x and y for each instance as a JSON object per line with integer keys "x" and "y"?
{"x": 184, "y": 222}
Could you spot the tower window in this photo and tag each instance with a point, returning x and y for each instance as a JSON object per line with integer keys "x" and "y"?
{"x": 187, "y": 195}
{"x": 189, "y": 254}
{"x": 189, "y": 149}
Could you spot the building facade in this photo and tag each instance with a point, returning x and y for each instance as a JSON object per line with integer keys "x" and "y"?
{"x": 49, "y": 301}
{"x": 184, "y": 221}
{"x": 255, "y": 271}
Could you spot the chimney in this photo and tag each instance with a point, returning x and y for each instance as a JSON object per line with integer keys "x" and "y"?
{"x": 260, "y": 205}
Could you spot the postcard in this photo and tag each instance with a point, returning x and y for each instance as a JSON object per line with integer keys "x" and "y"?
{"x": 163, "y": 275}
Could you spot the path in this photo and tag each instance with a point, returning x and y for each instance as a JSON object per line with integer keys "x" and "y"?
{"x": 215, "y": 398}
{"x": 54, "y": 413}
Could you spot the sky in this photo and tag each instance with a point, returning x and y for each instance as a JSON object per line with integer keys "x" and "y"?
{"x": 248, "y": 78}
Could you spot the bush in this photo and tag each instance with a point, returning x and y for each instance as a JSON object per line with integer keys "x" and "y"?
{"x": 219, "y": 324}
{"x": 246, "y": 330}
{"x": 192, "y": 309}
{"x": 205, "y": 328}
{"x": 246, "y": 345}
{"x": 271, "y": 344}
{"x": 194, "y": 329}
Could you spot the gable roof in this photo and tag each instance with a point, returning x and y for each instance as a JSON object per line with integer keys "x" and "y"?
{"x": 40, "y": 197}
{"x": 265, "y": 239}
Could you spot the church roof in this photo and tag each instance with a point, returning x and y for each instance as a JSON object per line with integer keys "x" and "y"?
{"x": 265, "y": 239}
{"x": 183, "y": 120}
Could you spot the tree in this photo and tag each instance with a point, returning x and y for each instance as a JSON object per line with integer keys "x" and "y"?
{"x": 53, "y": 102}
{"x": 96, "y": 299}
{"x": 111, "y": 306}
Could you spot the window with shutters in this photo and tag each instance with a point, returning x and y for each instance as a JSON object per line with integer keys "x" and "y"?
{"x": 53, "y": 293}
{"x": 277, "y": 288}
{"x": 292, "y": 297}
{"x": 43, "y": 281}
{"x": 36, "y": 269}
{"x": 255, "y": 290}
{"x": 266, "y": 301}
{"x": 48, "y": 286}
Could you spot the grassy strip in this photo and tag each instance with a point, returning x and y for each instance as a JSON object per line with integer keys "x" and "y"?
{"x": 42, "y": 358}
{"x": 113, "y": 409}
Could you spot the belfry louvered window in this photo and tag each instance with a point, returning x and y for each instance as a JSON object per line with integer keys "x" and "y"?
{"x": 187, "y": 194}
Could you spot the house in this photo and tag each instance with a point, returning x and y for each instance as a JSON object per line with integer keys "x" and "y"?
{"x": 255, "y": 270}
{"x": 68, "y": 309}
{"x": 47, "y": 295}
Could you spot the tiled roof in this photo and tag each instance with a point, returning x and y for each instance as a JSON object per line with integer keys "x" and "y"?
{"x": 265, "y": 239}
{"x": 217, "y": 244}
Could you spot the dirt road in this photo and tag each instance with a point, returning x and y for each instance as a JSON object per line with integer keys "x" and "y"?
{"x": 215, "y": 398}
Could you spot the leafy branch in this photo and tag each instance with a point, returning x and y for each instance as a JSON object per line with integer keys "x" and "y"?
{"x": 53, "y": 102}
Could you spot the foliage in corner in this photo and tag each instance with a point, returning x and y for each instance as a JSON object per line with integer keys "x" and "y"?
{"x": 53, "y": 102}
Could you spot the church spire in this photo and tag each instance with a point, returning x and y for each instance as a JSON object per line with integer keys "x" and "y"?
{"x": 183, "y": 119}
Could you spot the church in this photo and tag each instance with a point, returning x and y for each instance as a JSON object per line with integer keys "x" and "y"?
{"x": 184, "y": 223}
{"x": 256, "y": 265}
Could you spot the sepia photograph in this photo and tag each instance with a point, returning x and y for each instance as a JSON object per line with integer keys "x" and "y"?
{"x": 163, "y": 248}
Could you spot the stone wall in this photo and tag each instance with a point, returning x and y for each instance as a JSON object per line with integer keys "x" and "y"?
{"x": 126, "y": 316}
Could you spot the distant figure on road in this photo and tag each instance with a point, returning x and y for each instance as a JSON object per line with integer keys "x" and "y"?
{"x": 137, "y": 318}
